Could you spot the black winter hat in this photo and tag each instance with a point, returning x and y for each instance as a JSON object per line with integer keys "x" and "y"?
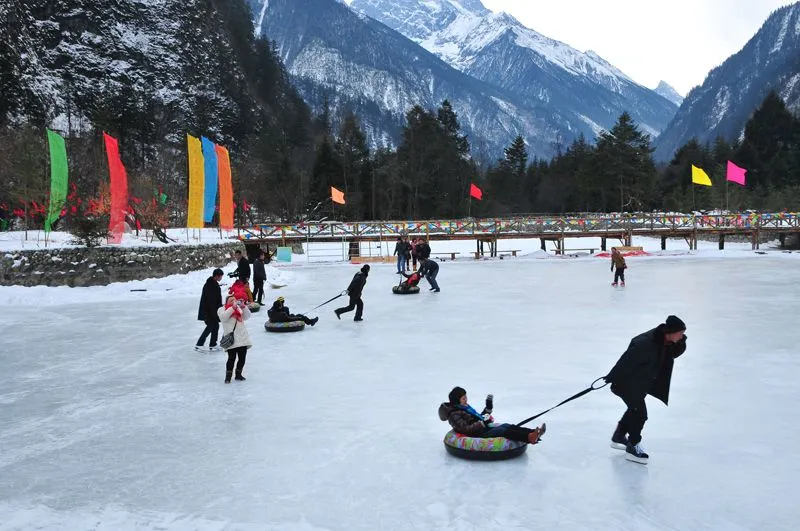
{"x": 365, "y": 268}
{"x": 217, "y": 273}
{"x": 674, "y": 324}
{"x": 456, "y": 394}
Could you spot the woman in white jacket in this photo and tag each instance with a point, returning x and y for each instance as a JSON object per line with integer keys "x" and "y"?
{"x": 232, "y": 317}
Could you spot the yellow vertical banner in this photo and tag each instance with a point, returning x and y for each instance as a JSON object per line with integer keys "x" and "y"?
{"x": 196, "y": 183}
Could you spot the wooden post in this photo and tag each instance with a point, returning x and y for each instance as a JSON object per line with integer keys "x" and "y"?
{"x": 603, "y": 243}
{"x": 722, "y": 242}
{"x": 782, "y": 239}
{"x": 544, "y": 246}
{"x": 663, "y": 243}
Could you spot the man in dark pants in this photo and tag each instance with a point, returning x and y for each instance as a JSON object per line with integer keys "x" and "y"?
{"x": 645, "y": 368}
{"x": 429, "y": 269}
{"x": 243, "y": 268}
{"x": 259, "y": 277}
{"x": 354, "y": 290}
{"x": 210, "y": 302}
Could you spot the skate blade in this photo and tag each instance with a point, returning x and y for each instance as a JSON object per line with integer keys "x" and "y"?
{"x": 617, "y": 446}
{"x": 634, "y": 459}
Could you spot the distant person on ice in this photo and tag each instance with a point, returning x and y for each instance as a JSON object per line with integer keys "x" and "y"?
{"x": 429, "y": 269}
{"x": 645, "y": 368}
{"x": 259, "y": 277}
{"x": 401, "y": 249}
{"x": 411, "y": 281}
{"x": 243, "y": 267}
{"x": 232, "y": 316}
{"x": 354, "y": 291}
{"x": 465, "y": 420}
{"x": 210, "y": 302}
{"x": 618, "y": 262}
{"x": 281, "y": 314}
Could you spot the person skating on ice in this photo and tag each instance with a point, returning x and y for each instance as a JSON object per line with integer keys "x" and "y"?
{"x": 281, "y": 314}
{"x": 210, "y": 302}
{"x": 645, "y": 368}
{"x": 464, "y": 419}
{"x": 354, "y": 291}
{"x": 618, "y": 262}
{"x": 242, "y": 267}
{"x": 428, "y": 270}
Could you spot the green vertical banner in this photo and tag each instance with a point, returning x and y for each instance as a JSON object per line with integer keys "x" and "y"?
{"x": 58, "y": 178}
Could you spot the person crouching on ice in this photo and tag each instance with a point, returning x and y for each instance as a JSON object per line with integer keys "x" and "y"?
{"x": 411, "y": 281}
{"x": 280, "y": 314}
{"x": 465, "y": 420}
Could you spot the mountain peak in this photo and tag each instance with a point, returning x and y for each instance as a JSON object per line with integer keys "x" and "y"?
{"x": 665, "y": 89}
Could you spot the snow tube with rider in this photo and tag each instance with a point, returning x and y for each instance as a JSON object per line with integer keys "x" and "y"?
{"x": 292, "y": 326}
{"x": 397, "y": 290}
{"x": 479, "y": 449}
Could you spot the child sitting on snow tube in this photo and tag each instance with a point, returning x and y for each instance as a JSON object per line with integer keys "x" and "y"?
{"x": 411, "y": 281}
{"x": 280, "y": 314}
{"x": 466, "y": 421}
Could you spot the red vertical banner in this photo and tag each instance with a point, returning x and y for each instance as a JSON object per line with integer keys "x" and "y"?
{"x": 225, "y": 188}
{"x": 119, "y": 190}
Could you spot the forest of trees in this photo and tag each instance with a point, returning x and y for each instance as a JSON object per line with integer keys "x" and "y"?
{"x": 285, "y": 160}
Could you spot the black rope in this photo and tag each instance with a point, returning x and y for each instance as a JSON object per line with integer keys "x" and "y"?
{"x": 342, "y": 294}
{"x": 570, "y": 399}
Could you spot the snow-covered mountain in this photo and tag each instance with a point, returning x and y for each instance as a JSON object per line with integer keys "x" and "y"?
{"x": 727, "y": 98}
{"x": 666, "y": 90}
{"x": 500, "y": 50}
{"x": 353, "y": 62}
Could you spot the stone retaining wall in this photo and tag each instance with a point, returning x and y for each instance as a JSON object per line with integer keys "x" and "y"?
{"x": 103, "y": 265}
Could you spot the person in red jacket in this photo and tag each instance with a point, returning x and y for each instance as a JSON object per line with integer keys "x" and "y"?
{"x": 411, "y": 281}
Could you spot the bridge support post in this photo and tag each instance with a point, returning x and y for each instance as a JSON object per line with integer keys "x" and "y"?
{"x": 603, "y": 241}
{"x": 721, "y": 242}
{"x": 782, "y": 239}
{"x": 663, "y": 243}
{"x": 543, "y": 246}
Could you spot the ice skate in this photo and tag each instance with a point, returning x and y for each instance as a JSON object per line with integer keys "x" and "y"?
{"x": 635, "y": 453}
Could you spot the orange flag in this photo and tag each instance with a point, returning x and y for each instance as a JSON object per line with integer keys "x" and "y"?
{"x": 225, "y": 188}
{"x": 337, "y": 196}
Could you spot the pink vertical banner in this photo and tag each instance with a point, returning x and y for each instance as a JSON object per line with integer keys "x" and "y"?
{"x": 119, "y": 190}
{"x": 736, "y": 174}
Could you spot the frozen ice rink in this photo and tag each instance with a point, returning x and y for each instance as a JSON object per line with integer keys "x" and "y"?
{"x": 110, "y": 421}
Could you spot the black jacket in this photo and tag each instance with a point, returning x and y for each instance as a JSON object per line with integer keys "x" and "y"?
{"x": 402, "y": 248}
{"x": 244, "y": 268}
{"x": 357, "y": 285}
{"x": 281, "y": 315}
{"x": 259, "y": 273}
{"x": 423, "y": 250}
{"x": 428, "y": 268}
{"x": 210, "y": 301}
{"x": 646, "y": 367}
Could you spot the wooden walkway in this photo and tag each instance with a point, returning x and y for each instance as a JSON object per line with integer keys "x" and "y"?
{"x": 557, "y": 229}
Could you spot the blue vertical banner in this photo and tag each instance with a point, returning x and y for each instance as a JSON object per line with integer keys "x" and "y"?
{"x": 211, "y": 181}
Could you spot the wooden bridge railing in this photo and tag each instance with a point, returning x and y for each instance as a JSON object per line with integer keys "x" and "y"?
{"x": 529, "y": 226}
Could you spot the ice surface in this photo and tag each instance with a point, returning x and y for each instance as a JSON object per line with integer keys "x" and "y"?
{"x": 110, "y": 421}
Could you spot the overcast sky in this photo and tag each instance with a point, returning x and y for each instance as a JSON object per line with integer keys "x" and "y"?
{"x": 678, "y": 41}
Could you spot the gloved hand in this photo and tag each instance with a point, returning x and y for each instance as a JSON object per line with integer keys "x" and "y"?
{"x": 612, "y": 268}
{"x": 487, "y": 418}
{"x": 489, "y": 403}
{"x": 606, "y": 378}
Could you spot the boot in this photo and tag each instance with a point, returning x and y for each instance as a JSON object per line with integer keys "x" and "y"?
{"x": 314, "y": 321}
{"x": 358, "y": 319}
{"x": 635, "y": 453}
{"x": 536, "y": 434}
{"x": 228, "y": 375}
{"x": 338, "y": 315}
{"x": 614, "y": 284}
{"x": 619, "y": 439}
{"x": 622, "y": 283}
{"x": 239, "y": 377}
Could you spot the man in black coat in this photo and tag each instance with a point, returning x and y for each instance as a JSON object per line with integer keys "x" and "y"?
{"x": 429, "y": 269}
{"x": 210, "y": 302}
{"x": 259, "y": 277}
{"x": 354, "y": 290}
{"x": 645, "y": 368}
{"x": 243, "y": 267}
{"x": 423, "y": 249}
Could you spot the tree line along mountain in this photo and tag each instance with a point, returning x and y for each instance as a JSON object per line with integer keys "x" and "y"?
{"x": 309, "y": 94}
